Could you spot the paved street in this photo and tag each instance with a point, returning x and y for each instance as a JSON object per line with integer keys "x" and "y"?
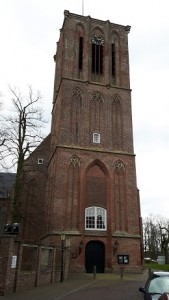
{"x": 84, "y": 287}
{"x": 119, "y": 290}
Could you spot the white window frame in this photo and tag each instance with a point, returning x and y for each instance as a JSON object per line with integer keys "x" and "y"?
{"x": 96, "y": 138}
{"x": 92, "y": 218}
{"x": 40, "y": 161}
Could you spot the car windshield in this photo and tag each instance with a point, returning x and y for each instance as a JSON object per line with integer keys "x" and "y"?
{"x": 159, "y": 285}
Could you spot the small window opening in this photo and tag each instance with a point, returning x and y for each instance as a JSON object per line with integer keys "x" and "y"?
{"x": 97, "y": 59}
{"x": 80, "y": 53}
{"x": 40, "y": 161}
{"x": 113, "y": 61}
{"x": 96, "y": 138}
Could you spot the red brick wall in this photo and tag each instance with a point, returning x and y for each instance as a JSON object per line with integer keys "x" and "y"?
{"x": 67, "y": 49}
{"x": 62, "y": 132}
{"x": 33, "y": 193}
{"x": 83, "y": 104}
{"x": 12, "y": 277}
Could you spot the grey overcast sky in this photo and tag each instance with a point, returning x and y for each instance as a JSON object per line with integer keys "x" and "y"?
{"x": 29, "y": 30}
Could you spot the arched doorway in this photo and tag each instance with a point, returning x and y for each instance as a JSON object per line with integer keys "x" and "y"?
{"x": 95, "y": 256}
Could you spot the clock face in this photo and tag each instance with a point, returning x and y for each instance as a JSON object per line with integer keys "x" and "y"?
{"x": 98, "y": 40}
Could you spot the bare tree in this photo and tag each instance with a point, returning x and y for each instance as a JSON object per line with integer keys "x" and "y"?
{"x": 22, "y": 135}
{"x": 156, "y": 236}
{"x": 165, "y": 242}
{"x": 2, "y": 133}
{"x": 150, "y": 237}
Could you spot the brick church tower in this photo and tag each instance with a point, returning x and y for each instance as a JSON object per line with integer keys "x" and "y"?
{"x": 92, "y": 194}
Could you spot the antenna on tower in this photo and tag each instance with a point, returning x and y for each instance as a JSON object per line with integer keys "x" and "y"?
{"x": 82, "y": 7}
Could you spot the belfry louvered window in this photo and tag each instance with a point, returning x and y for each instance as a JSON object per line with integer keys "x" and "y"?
{"x": 113, "y": 61}
{"x": 80, "y": 53}
{"x": 97, "y": 54}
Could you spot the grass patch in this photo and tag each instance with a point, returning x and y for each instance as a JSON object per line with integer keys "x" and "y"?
{"x": 154, "y": 266}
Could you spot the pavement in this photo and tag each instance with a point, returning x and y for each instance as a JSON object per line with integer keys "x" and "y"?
{"x": 73, "y": 284}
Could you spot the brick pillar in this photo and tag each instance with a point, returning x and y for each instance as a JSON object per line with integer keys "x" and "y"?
{"x": 19, "y": 250}
{"x": 53, "y": 265}
{"x": 38, "y": 265}
{"x": 7, "y": 269}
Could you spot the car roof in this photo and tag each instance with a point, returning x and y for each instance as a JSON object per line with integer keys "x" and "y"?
{"x": 160, "y": 273}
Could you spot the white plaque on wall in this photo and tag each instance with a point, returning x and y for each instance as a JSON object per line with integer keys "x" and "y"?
{"x": 14, "y": 260}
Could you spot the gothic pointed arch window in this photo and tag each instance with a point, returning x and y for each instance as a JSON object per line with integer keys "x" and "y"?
{"x": 80, "y": 53}
{"x": 97, "y": 41}
{"x": 96, "y": 188}
{"x": 96, "y": 198}
{"x": 80, "y": 45}
{"x": 76, "y": 115}
{"x": 117, "y": 123}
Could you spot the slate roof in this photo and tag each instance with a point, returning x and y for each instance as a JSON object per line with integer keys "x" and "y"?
{"x": 6, "y": 184}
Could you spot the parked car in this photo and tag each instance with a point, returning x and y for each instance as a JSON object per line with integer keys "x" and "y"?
{"x": 149, "y": 260}
{"x": 156, "y": 285}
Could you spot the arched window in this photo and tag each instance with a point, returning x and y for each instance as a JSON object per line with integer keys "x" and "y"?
{"x": 97, "y": 53}
{"x": 80, "y": 46}
{"x": 95, "y": 218}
